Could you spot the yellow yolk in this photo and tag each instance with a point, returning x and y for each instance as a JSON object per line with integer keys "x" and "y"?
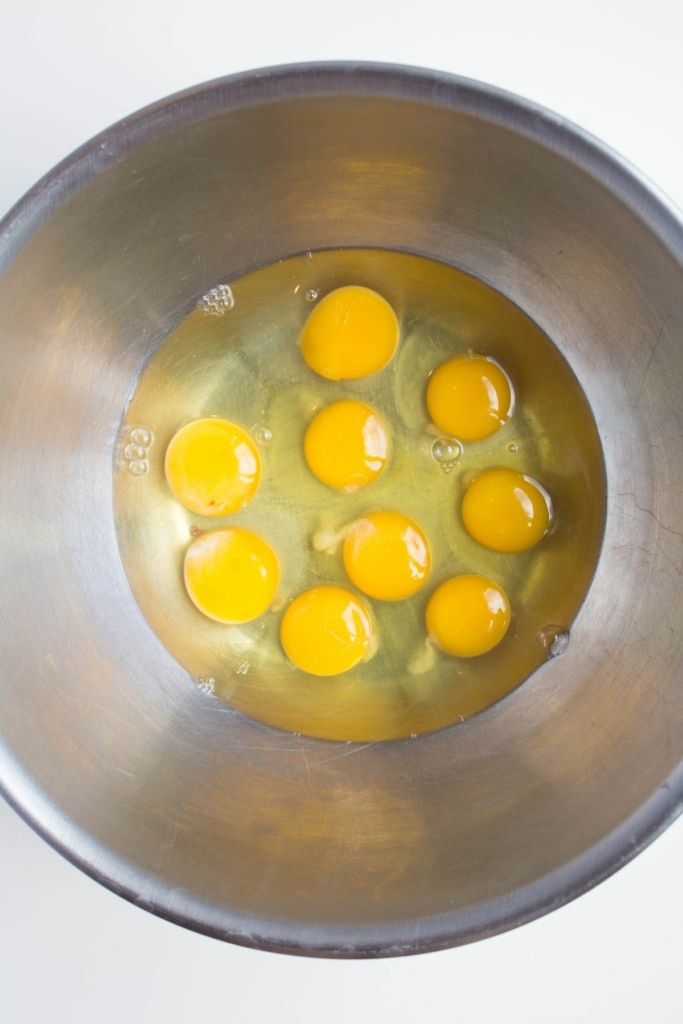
{"x": 467, "y": 616}
{"x": 346, "y": 445}
{"x": 351, "y": 333}
{"x": 386, "y": 555}
{"x": 504, "y": 510}
{"x": 469, "y": 397}
{"x": 212, "y": 467}
{"x": 231, "y": 574}
{"x": 326, "y": 631}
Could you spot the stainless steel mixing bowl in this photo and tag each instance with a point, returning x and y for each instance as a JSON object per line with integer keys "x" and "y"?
{"x": 171, "y": 798}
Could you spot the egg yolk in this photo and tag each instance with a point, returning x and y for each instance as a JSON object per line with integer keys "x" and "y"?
{"x": 351, "y": 333}
{"x": 231, "y": 574}
{"x": 386, "y": 555}
{"x": 467, "y": 616}
{"x": 212, "y": 467}
{"x": 326, "y": 631}
{"x": 346, "y": 445}
{"x": 469, "y": 397}
{"x": 504, "y": 510}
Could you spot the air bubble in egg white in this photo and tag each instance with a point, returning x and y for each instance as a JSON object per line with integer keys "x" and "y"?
{"x": 311, "y": 294}
{"x": 446, "y": 452}
{"x": 134, "y": 451}
{"x": 138, "y": 467}
{"x": 141, "y": 436}
{"x": 264, "y": 435}
{"x": 207, "y": 684}
{"x": 552, "y": 640}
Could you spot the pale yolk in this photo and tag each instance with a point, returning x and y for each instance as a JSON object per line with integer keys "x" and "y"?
{"x": 326, "y": 631}
{"x": 231, "y": 574}
{"x": 386, "y": 555}
{"x": 351, "y": 333}
{"x": 469, "y": 397}
{"x": 504, "y": 510}
{"x": 467, "y": 616}
{"x": 346, "y": 445}
{"x": 212, "y": 467}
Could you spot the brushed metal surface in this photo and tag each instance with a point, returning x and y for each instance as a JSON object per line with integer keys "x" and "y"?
{"x": 171, "y": 798}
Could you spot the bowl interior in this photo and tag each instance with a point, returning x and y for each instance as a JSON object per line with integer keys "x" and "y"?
{"x": 176, "y": 800}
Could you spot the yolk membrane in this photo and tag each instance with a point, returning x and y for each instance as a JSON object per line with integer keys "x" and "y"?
{"x": 212, "y": 467}
{"x": 346, "y": 445}
{"x": 326, "y": 631}
{"x": 505, "y": 510}
{"x": 469, "y": 397}
{"x": 387, "y": 556}
{"x": 467, "y": 616}
{"x": 351, "y": 333}
{"x": 231, "y": 574}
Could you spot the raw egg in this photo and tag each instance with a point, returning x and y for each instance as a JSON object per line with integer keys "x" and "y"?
{"x": 469, "y": 397}
{"x": 346, "y": 445}
{"x": 351, "y": 333}
{"x": 505, "y": 510}
{"x": 386, "y": 555}
{"x": 467, "y": 616}
{"x": 212, "y": 467}
{"x": 231, "y": 574}
{"x": 327, "y": 631}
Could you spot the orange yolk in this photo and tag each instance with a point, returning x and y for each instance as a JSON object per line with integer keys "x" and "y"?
{"x": 231, "y": 574}
{"x": 327, "y": 631}
{"x": 387, "y": 556}
{"x": 212, "y": 467}
{"x": 351, "y": 333}
{"x": 504, "y": 510}
{"x": 467, "y": 616}
{"x": 469, "y": 397}
{"x": 346, "y": 445}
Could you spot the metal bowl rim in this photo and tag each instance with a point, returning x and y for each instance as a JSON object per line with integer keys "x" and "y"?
{"x": 399, "y": 82}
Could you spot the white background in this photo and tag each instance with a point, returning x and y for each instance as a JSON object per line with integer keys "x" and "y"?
{"x": 69, "y": 950}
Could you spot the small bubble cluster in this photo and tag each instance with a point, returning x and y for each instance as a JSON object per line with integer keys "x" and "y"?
{"x": 136, "y": 450}
{"x": 447, "y": 452}
{"x": 207, "y": 684}
{"x": 217, "y": 301}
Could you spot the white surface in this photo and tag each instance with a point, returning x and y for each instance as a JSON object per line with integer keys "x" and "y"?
{"x": 71, "y": 951}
